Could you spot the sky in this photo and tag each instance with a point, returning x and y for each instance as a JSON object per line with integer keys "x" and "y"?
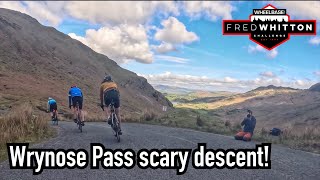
{"x": 181, "y": 43}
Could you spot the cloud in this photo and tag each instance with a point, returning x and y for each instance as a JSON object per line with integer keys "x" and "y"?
{"x": 270, "y": 54}
{"x": 50, "y": 13}
{"x": 120, "y": 43}
{"x": 230, "y": 80}
{"x": 263, "y": 81}
{"x": 304, "y": 83}
{"x": 303, "y": 9}
{"x": 119, "y": 12}
{"x": 14, "y": 5}
{"x": 212, "y": 10}
{"x": 172, "y": 59}
{"x": 164, "y": 48}
{"x": 268, "y": 74}
{"x": 317, "y": 73}
{"x": 315, "y": 40}
{"x": 175, "y": 32}
{"x": 110, "y": 12}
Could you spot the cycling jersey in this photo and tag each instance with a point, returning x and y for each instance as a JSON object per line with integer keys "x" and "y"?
{"x": 52, "y": 101}
{"x": 108, "y": 86}
{"x": 52, "y": 105}
{"x": 75, "y": 91}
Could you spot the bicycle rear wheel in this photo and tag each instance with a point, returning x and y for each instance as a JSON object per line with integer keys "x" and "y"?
{"x": 80, "y": 127}
{"x": 57, "y": 121}
{"x": 55, "y": 118}
{"x": 78, "y": 118}
{"x": 118, "y": 136}
{"x": 116, "y": 128}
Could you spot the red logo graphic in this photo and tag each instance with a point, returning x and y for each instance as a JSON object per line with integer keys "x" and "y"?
{"x": 269, "y": 27}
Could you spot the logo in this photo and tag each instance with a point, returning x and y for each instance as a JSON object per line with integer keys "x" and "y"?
{"x": 269, "y": 27}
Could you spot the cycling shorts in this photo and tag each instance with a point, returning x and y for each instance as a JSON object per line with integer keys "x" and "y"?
{"x": 77, "y": 99}
{"x": 112, "y": 96}
{"x": 53, "y": 106}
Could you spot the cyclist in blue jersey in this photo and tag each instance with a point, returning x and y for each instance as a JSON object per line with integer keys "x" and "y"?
{"x": 76, "y": 96}
{"x": 52, "y": 106}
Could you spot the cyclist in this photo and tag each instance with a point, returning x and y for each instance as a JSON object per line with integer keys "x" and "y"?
{"x": 76, "y": 96}
{"x": 109, "y": 92}
{"x": 52, "y": 106}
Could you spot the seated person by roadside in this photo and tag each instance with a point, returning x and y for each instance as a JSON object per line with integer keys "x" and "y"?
{"x": 249, "y": 123}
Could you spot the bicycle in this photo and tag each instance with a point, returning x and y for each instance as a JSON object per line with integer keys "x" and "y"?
{"x": 55, "y": 118}
{"x": 79, "y": 123}
{"x": 115, "y": 125}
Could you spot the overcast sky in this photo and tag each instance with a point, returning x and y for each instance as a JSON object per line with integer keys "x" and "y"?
{"x": 181, "y": 43}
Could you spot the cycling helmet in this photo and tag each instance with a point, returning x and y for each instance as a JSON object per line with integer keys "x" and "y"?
{"x": 107, "y": 78}
{"x": 73, "y": 86}
{"x": 49, "y": 98}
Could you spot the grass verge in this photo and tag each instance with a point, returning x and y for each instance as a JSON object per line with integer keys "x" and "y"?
{"x": 307, "y": 139}
{"x": 23, "y": 125}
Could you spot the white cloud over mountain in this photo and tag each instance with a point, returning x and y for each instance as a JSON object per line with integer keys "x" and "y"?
{"x": 120, "y": 12}
{"x": 114, "y": 15}
{"x": 120, "y": 43}
{"x": 49, "y": 13}
{"x": 175, "y": 32}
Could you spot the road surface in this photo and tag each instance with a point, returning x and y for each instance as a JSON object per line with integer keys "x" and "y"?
{"x": 286, "y": 163}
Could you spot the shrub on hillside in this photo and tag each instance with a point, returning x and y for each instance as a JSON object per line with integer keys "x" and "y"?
{"x": 148, "y": 115}
{"x": 200, "y": 122}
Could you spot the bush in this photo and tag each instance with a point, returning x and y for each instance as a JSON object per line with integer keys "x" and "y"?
{"x": 227, "y": 123}
{"x": 148, "y": 115}
{"x": 200, "y": 122}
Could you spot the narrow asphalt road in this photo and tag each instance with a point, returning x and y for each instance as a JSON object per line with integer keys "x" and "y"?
{"x": 286, "y": 163}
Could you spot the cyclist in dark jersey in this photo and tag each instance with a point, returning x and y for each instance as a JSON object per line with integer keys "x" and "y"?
{"x": 109, "y": 92}
{"x": 76, "y": 96}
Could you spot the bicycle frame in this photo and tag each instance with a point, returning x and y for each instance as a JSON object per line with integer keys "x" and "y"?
{"x": 113, "y": 115}
{"x": 114, "y": 121}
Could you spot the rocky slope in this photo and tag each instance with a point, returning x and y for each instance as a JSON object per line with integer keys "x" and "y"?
{"x": 315, "y": 87}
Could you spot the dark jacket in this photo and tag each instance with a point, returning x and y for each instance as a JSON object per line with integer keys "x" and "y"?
{"x": 249, "y": 124}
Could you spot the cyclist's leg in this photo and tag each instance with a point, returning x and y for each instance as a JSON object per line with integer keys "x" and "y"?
{"x": 74, "y": 114}
{"x": 80, "y": 109}
{"x": 117, "y": 107}
{"x": 74, "y": 108}
{"x": 107, "y": 102}
{"x": 117, "y": 110}
{"x": 107, "y": 112}
{"x": 50, "y": 110}
{"x": 54, "y": 111}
